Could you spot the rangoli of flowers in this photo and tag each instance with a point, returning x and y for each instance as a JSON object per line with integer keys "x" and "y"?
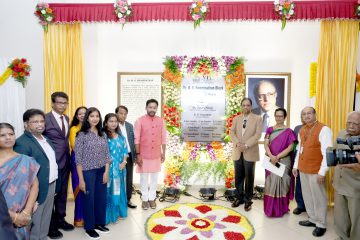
{"x": 183, "y": 158}
{"x": 198, "y": 222}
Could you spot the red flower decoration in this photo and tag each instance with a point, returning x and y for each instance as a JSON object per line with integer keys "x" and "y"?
{"x": 160, "y": 229}
{"x": 172, "y": 213}
{"x": 203, "y": 209}
{"x": 232, "y": 219}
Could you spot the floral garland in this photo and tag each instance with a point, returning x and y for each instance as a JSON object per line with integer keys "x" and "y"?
{"x": 285, "y": 9}
{"x": 186, "y": 158}
{"x": 357, "y": 9}
{"x": 45, "y": 14}
{"x": 123, "y": 11}
{"x": 18, "y": 69}
{"x": 198, "y": 11}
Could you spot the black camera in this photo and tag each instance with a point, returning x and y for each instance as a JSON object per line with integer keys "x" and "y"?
{"x": 343, "y": 156}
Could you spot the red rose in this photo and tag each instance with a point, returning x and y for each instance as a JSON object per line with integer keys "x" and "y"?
{"x": 23, "y": 60}
{"x": 27, "y": 73}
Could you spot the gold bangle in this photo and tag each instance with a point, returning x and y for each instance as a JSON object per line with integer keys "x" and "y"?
{"x": 26, "y": 214}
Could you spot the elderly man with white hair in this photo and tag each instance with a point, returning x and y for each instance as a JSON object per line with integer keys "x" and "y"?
{"x": 347, "y": 185}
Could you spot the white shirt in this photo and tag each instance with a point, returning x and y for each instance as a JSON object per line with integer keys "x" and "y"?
{"x": 50, "y": 153}
{"x": 58, "y": 120}
{"x": 123, "y": 131}
{"x": 325, "y": 139}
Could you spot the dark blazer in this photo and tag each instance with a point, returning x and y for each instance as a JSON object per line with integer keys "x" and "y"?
{"x": 61, "y": 142}
{"x": 6, "y": 227}
{"x": 131, "y": 139}
{"x": 27, "y": 144}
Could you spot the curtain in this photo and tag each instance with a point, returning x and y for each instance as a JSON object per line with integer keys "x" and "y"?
{"x": 12, "y": 103}
{"x": 336, "y": 75}
{"x": 64, "y": 64}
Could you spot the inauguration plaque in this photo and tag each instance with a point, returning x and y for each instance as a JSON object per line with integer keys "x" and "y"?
{"x": 134, "y": 89}
{"x": 203, "y": 104}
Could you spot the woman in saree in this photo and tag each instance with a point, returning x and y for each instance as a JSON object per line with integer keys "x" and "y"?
{"x": 18, "y": 182}
{"x": 279, "y": 145}
{"x": 75, "y": 127}
{"x": 116, "y": 203}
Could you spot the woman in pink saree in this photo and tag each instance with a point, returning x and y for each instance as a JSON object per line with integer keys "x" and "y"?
{"x": 18, "y": 182}
{"x": 279, "y": 146}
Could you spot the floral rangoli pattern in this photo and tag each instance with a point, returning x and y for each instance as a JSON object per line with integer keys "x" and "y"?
{"x": 198, "y": 222}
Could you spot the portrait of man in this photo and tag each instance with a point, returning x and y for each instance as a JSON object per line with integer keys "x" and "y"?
{"x": 268, "y": 93}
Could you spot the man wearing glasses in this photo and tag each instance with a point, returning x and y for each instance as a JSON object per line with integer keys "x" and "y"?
{"x": 57, "y": 130}
{"x": 245, "y": 133}
{"x": 265, "y": 95}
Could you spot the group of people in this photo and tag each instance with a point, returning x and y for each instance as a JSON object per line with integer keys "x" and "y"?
{"x": 35, "y": 168}
{"x": 304, "y": 155}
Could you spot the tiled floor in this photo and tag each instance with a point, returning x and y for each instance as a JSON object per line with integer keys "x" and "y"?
{"x": 287, "y": 227}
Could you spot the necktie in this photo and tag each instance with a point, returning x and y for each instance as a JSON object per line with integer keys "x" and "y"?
{"x": 62, "y": 125}
{"x": 265, "y": 122}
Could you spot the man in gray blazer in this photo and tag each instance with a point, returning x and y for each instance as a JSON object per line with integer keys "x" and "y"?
{"x": 347, "y": 187}
{"x": 127, "y": 130}
{"x": 245, "y": 133}
{"x": 57, "y": 130}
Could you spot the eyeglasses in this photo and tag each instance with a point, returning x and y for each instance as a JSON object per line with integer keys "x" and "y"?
{"x": 37, "y": 122}
{"x": 266, "y": 95}
{"x": 244, "y": 123}
{"x": 62, "y": 103}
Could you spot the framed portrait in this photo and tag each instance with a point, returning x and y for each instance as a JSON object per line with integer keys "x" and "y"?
{"x": 135, "y": 88}
{"x": 269, "y": 91}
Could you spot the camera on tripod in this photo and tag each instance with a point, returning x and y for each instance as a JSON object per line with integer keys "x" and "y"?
{"x": 343, "y": 156}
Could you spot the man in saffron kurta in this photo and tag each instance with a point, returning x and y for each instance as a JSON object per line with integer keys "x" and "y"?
{"x": 314, "y": 138}
{"x": 150, "y": 145}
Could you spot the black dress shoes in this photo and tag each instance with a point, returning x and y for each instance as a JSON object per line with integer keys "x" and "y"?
{"x": 307, "y": 223}
{"x": 237, "y": 203}
{"x": 131, "y": 205}
{"x": 55, "y": 234}
{"x": 298, "y": 211}
{"x": 318, "y": 232}
{"x": 248, "y": 206}
{"x": 65, "y": 226}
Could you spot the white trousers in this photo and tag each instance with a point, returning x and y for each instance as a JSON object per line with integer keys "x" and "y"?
{"x": 148, "y": 190}
{"x": 314, "y": 195}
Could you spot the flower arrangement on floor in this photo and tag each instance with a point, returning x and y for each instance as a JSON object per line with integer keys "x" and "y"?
{"x": 123, "y": 11}
{"x": 200, "y": 160}
{"x": 18, "y": 69}
{"x": 198, "y": 11}
{"x": 198, "y": 221}
{"x": 45, "y": 14}
{"x": 285, "y": 9}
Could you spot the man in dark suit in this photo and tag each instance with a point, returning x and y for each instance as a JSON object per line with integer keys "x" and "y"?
{"x": 34, "y": 144}
{"x": 127, "y": 130}
{"x": 57, "y": 130}
{"x": 6, "y": 227}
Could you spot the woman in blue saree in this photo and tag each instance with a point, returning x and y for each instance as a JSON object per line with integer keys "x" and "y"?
{"x": 116, "y": 204}
{"x": 279, "y": 145}
{"x": 18, "y": 182}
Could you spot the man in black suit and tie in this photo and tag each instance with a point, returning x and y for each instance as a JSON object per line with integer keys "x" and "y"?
{"x": 57, "y": 130}
{"x": 127, "y": 130}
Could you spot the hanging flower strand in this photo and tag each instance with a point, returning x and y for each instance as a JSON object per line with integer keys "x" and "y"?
{"x": 123, "y": 11}
{"x": 285, "y": 9}
{"x": 45, "y": 14}
{"x": 198, "y": 11}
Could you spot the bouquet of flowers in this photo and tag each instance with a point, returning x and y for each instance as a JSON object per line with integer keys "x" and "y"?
{"x": 45, "y": 14}
{"x": 20, "y": 70}
{"x": 285, "y": 10}
{"x": 198, "y": 11}
{"x": 357, "y": 9}
{"x": 123, "y": 11}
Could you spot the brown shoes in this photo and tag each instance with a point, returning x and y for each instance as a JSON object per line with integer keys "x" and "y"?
{"x": 145, "y": 205}
{"x": 152, "y": 204}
